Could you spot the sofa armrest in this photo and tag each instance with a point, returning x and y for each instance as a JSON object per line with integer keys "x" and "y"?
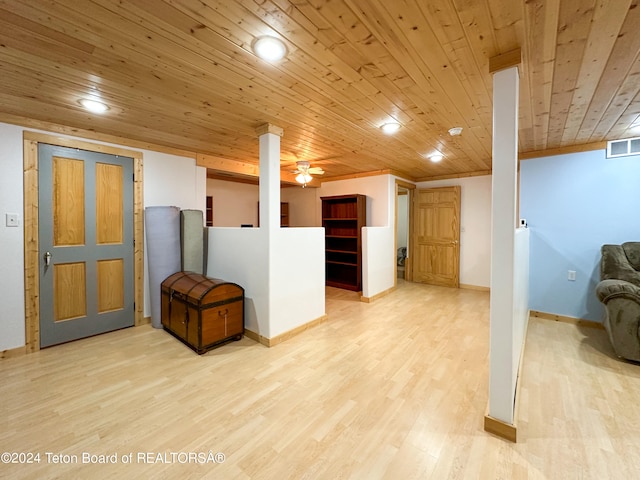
{"x": 610, "y": 289}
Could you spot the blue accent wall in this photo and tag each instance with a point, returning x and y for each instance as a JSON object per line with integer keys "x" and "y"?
{"x": 573, "y": 205}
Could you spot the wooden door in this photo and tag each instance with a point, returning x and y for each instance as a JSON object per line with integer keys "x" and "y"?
{"x": 85, "y": 243}
{"x": 436, "y": 237}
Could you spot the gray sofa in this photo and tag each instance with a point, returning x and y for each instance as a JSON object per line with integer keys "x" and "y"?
{"x": 619, "y": 291}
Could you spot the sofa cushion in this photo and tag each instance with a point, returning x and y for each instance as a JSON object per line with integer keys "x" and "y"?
{"x": 632, "y": 251}
{"x": 616, "y": 266}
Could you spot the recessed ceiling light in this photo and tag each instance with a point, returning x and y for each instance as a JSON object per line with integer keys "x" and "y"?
{"x": 436, "y": 157}
{"x": 455, "y": 131}
{"x": 390, "y": 127}
{"x": 93, "y": 105}
{"x": 270, "y": 49}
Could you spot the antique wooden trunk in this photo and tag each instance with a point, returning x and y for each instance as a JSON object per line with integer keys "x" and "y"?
{"x": 203, "y": 312}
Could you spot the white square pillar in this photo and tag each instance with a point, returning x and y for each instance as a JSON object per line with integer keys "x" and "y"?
{"x": 269, "y": 176}
{"x": 502, "y": 375}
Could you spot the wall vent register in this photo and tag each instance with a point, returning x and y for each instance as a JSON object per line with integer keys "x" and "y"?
{"x": 623, "y": 148}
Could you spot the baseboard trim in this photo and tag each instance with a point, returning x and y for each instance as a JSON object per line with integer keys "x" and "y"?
{"x": 256, "y": 337}
{"x": 581, "y": 322}
{"x": 500, "y": 428}
{"x": 479, "y": 288}
{"x": 272, "y": 342}
{"x": 377, "y": 296}
{"x": 13, "y": 352}
{"x": 144, "y": 321}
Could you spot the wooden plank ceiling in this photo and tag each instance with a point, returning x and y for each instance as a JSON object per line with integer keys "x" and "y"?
{"x": 181, "y": 74}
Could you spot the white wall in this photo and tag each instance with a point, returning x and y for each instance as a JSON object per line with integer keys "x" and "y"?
{"x": 520, "y": 294}
{"x": 475, "y": 227}
{"x": 378, "y": 260}
{"x": 302, "y": 206}
{"x": 234, "y": 203}
{"x": 296, "y": 279}
{"x": 168, "y": 180}
{"x": 239, "y": 255}
{"x": 282, "y": 291}
{"x": 12, "y": 327}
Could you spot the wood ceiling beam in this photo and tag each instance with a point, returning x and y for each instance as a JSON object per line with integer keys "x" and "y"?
{"x": 506, "y": 60}
{"x": 244, "y": 169}
{"x": 585, "y": 147}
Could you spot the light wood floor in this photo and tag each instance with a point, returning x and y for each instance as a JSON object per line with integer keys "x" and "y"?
{"x": 394, "y": 389}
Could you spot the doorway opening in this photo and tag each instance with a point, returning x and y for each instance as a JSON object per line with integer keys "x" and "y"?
{"x": 403, "y": 229}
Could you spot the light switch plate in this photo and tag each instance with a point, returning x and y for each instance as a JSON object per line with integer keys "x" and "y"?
{"x": 12, "y": 219}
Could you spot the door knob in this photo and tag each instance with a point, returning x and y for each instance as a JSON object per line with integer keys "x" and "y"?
{"x": 47, "y": 258}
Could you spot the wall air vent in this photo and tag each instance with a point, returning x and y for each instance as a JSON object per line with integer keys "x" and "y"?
{"x": 623, "y": 148}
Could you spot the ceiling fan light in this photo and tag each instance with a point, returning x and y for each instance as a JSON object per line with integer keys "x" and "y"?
{"x": 270, "y": 49}
{"x": 303, "y": 178}
{"x": 390, "y": 128}
{"x": 93, "y": 105}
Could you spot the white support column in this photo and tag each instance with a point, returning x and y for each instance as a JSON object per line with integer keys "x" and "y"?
{"x": 269, "y": 215}
{"x": 269, "y": 176}
{"x": 504, "y": 353}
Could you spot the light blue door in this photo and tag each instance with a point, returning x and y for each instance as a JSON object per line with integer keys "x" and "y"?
{"x": 85, "y": 223}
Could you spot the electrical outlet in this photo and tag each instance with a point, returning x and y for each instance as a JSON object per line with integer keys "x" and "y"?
{"x": 572, "y": 276}
{"x": 11, "y": 220}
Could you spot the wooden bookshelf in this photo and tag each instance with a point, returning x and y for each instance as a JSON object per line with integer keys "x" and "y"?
{"x": 343, "y": 217}
{"x": 209, "y": 212}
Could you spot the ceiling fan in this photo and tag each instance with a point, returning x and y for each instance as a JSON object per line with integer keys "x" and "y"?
{"x": 305, "y": 171}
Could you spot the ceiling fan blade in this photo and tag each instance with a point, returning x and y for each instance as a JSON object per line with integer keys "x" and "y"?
{"x": 316, "y": 171}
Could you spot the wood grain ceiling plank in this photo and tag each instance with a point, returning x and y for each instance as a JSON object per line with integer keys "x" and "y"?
{"x": 45, "y": 32}
{"x": 347, "y": 23}
{"x": 54, "y": 114}
{"x": 608, "y": 18}
{"x": 427, "y": 92}
{"x": 73, "y": 85}
{"x": 541, "y": 27}
{"x": 620, "y": 104}
{"x": 457, "y": 90}
{"x": 618, "y": 66}
{"x": 381, "y": 74}
{"x": 506, "y": 18}
{"x": 446, "y": 25}
{"x": 319, "y": 110}
{"x": 16, "y": 36}
{"x": 185, "y": 68}
{"x": 628, "y": 123}
{"x": 476, "y": 22}
{"x": 574, "y": 25}
{"x": 370, "y": 73}
{"x": 203, "y": 85}
{"x": 161, "y": 58}
{"x": 526, "y": 119}
{"x": 279, "y": 108}
{"x": 444, "y": 21}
